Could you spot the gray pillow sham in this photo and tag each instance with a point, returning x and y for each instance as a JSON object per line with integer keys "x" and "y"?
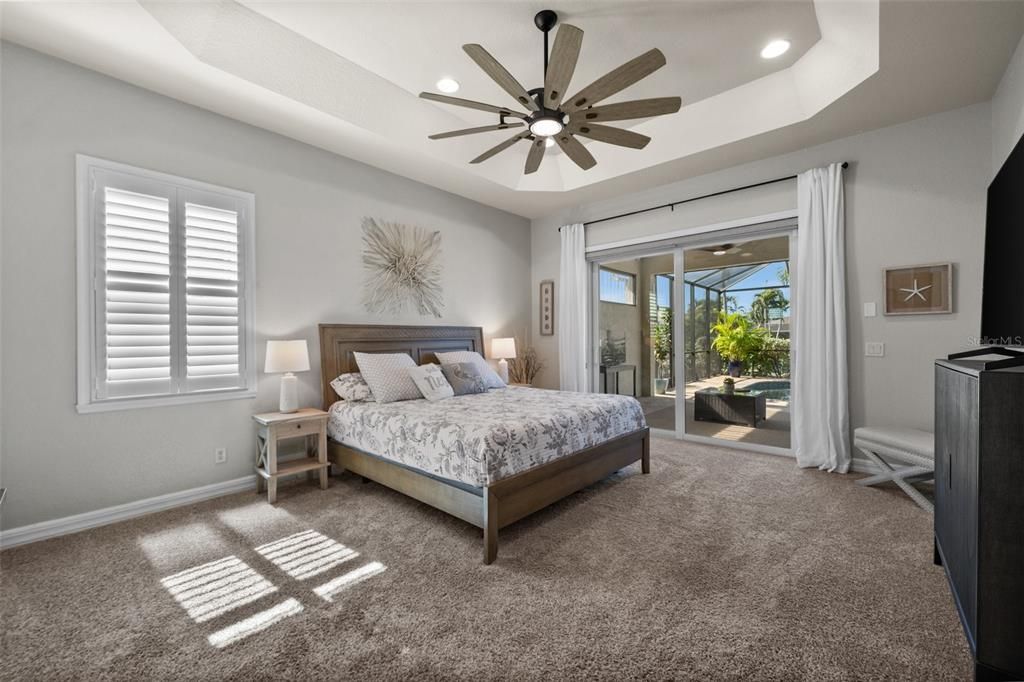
{"x": 464, "y": 377}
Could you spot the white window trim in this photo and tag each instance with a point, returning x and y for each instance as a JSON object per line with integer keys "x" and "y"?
{"x": 85, "y": 254}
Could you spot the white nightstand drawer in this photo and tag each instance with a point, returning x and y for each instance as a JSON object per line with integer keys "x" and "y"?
{"x": 296, "y": 429}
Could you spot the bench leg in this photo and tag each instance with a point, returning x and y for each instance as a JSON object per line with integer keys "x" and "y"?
{"x": 898, "y": 477}
{"x": 490, "y": 503}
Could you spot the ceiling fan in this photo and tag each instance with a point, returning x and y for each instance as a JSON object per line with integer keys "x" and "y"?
{"x": 721, "y": 249}
{"x": 553, "y": 116}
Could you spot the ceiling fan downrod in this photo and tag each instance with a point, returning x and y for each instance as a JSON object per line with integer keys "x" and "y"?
{"x": 545, "y": 20}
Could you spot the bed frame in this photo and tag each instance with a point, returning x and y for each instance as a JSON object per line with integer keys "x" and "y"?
{"x": 492, "y": 507}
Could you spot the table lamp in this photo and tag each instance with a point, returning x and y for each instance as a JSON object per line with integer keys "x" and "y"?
{"x": 505, "y": 349}
{"x": 287, "y": 357}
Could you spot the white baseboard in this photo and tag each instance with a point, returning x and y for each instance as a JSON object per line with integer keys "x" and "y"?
{"x": 101, "y": 517}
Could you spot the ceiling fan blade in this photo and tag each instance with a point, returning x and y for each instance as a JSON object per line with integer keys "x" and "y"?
{"x": 575, "y": 151}
{"x": 535, "y": 156}
{"x": 562, "y": 64}
{"x": 500, "y": 75}
{"x": 471, "y": 131}
{"x": 621, "y": 111}
{"x": 501, "y": 147}
{"x": 459, "y": 102}
{"x": 623, "y": 138}
{"x": 616, "y": 80}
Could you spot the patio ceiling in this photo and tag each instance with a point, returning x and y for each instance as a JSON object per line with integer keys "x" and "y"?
{"x": 721, "y": 279}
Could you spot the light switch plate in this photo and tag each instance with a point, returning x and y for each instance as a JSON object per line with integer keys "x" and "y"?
{"x": 869, "y": 309}
{"x": 874, "y": 349}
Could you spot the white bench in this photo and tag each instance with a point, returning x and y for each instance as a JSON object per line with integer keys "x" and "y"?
{"x": 911, "y": 447}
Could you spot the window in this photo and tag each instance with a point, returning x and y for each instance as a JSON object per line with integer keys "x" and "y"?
{"x": 164, "y": 271}
{"x": 618, "y": 287}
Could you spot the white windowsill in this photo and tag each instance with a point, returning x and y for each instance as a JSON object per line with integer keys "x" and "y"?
{"x": 116, "y": 404}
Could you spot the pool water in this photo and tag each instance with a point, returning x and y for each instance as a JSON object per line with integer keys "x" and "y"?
{"x": 772, "y": 390}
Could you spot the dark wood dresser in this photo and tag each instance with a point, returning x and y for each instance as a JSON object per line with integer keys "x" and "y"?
{"x": 979, "y": 502}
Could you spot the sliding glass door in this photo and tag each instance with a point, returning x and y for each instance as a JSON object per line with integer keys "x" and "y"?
{"x": 736, "y": 299}
{"x": 700, "y": 333}
{"x": 634, "y": 337}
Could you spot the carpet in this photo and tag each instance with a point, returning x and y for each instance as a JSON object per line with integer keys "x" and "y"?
{"x": 718, "y": 565}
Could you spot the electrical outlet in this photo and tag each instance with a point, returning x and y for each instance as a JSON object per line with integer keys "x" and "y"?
{"x": 220, "y": 455}
{"x": 874, "y": 349}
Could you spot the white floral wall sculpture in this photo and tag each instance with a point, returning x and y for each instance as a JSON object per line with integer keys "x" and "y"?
{"x": 403, "y": 268}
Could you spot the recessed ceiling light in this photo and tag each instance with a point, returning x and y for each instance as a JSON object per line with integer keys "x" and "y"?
{"x": 549, "y": 142}
{"x": 774, "y": 49}
{"x": 720, "y": 252}
{"x": 746, "y": 254}
{"x": 448, "y": 85}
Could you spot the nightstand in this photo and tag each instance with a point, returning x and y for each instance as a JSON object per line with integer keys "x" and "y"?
{"x": 274, "y": 427}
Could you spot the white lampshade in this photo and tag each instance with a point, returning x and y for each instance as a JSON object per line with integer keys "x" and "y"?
{"x": 287, "y": 356}
{"x": 503, "y": 348}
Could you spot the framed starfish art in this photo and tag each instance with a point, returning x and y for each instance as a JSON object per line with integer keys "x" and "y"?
{"x": 919, "y": 289}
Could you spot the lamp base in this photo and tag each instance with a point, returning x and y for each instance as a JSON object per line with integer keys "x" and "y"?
{"x": 503, "y": 369}
{"x": 289, "y": 394}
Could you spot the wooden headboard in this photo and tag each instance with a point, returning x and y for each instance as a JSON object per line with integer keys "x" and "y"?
{"x": 339, "y": 341}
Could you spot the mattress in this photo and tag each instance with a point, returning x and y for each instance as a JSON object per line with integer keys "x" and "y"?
{"x": 482, "y": 438}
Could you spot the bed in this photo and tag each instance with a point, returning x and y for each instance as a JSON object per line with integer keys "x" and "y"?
{"x": 488, "y": 459}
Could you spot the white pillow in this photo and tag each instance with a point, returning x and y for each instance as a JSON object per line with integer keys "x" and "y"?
{"x": 490, "y": 377}
{"x": 352, "y": 387}
{"x": 387, "y": 375}
{"x": 431, "y": 382}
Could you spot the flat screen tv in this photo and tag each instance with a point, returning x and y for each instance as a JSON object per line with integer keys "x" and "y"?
{"x": 1002, "y": 310}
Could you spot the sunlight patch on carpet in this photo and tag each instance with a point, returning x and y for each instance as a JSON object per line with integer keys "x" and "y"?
{"x": 254, "y": 623}
{"x": 347, "y": 580}
{"x": 304, "y": 555}
{"x": 215, "y": 588}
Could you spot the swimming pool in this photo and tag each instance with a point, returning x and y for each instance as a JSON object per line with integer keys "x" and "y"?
{"x": 772, "y": 390}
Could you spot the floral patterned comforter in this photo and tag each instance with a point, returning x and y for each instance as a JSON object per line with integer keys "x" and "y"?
{"x": 482, "y": 438}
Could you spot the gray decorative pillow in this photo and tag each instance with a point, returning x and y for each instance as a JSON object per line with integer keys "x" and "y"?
{"x": 465, "y": 378}
{"x": 352, "y": 387}
{"x": 491, "y": 378}
{"x": 431, "y": 382}
{"x": 387, "y": 375}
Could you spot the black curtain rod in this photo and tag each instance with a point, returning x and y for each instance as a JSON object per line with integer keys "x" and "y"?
{"x": 703, "y": 196}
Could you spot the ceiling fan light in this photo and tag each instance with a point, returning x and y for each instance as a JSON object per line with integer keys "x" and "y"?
{"x": 546, "y": 126}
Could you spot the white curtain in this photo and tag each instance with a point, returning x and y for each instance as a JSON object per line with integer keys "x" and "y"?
{"x": 571, "y": 310}
{"x": 821, "y": 421}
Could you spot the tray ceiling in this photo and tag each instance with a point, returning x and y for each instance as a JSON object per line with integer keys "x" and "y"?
{"x": 344, "y": 76}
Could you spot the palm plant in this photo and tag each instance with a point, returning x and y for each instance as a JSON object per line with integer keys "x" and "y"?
{"x": 661, "y": 340}
{"x": 764, "y": 302}
{"x": 737, "y": 339}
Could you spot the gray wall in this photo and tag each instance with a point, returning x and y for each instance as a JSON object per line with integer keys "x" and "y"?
{"x": 1008, "y": 110}
{"x": 309, "y": 204}
{"x": 915, "y": 193}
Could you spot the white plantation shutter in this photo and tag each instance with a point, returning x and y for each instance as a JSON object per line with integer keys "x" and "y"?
{"x": 167, "y": 262}
{"x": 213, "y": 331}
{"x": 135, "y": 296}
